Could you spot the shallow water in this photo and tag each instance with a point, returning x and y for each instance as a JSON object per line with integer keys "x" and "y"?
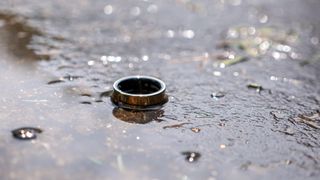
{"x": 60, "y": 58}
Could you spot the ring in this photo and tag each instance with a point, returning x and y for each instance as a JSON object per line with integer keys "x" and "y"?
{"x": 139, "y": 92}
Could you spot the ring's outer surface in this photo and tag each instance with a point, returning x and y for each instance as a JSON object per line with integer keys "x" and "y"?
{"x": 138, "y": 92}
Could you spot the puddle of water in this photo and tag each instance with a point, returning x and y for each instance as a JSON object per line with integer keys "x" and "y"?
{"x": 103, "y": 42}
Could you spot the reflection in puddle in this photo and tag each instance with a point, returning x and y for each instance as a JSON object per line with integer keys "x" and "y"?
{"x": 18, "y": 35}
{"x": 139, "y": 117}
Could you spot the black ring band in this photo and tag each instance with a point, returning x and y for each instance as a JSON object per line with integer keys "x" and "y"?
{"x": 136, "y": 92}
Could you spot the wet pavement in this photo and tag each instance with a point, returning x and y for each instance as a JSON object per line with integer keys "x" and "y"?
{"x": 243, "y": 79}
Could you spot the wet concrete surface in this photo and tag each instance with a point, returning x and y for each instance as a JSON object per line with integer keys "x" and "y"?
{"x": 242, "y": 79}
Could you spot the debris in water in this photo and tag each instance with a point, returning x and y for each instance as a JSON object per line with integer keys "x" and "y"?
{"x": 312, "y": 120}
{"x": 175, "y": 125}
{"x": 255, "y": 86}
{"x": 85, "y": 102}
{"x": 191, "y": 156}
{"x": 195, "y": 130}
{"x": 287, "y": 131}
{"x": 55, "y": 81}
{"x": 225, "y": 55}
{"x": 232, "y": 61}
{"x": 26, "y": 133}
{"x": 255, "y": 42}
{"x": 217, "y": 95}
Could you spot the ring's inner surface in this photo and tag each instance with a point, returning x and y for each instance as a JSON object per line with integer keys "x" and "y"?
{"x": 139, "y": 86}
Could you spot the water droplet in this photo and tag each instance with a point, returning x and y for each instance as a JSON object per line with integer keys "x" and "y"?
{"x": 273, "y": 78}
{"x": 217, "y": 95}
{"x": 189, "y": 34}
{"x": 108, "y": 9}
{"x": 294, "y": 55}
{"x": 191, "y": 156}
{"x": 283, "y": 48}
{"x": 26, "y": 133}
{"x": 314, "y": 40}
{"x": 135, "y": 11}
{"x": 216, "y": 73}
{"x": 104, "y": 59}
{"x": 152, "y": 8}
{"x": 114, "y": 58}
{"x": 90, "y": 63}
{"x": 264, "y": 46}
{"x": 232, "y": 33}
{"x": 263, "y": 19}
{"x": 170, "y": 33}
{"x": 278, "y": 55}
{"x": 145, "y": 58}
{"x": 235, "y": 74}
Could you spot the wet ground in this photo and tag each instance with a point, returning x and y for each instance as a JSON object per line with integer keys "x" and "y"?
{"x": 243, "y": 79}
